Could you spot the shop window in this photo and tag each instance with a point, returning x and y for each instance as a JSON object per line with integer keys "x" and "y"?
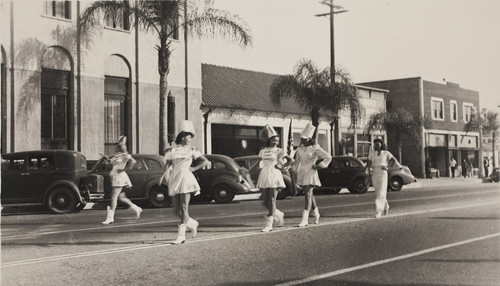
{"x": 115, "y": 96}
{"x": 57, "y": 9}
{"x": 54, "y": 109}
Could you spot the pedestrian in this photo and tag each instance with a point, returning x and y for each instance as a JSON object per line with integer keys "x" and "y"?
{"x": 465, "y": 167}
{"x": 378, "y": 161}
{"x": 486, "y": 164}
{"x": 470, "y": 169}
{"x": 428, "y": 167}
{"x": 270, "y": 179}
{"x": 121, "y": 161}
{"x": 180, "y": 179}
{"x": 453, "y": 166}
{"x": 309, "y": 157}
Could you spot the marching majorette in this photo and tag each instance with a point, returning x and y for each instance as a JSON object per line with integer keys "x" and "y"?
{"x": 270, "y": 179}
{"x": 180, "y": 179}
{"x": 309, "y": 157}
{"x": 121, "y": 162}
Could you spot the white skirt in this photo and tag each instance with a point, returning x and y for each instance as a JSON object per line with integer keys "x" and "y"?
{"x": 121, "y": 180}
{"x": 270, "y": 177}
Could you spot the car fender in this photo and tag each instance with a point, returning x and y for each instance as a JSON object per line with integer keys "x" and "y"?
{"x": 72, "y": 186}
{"x": 152, "y": 183}
{"x": 231, "y": 181}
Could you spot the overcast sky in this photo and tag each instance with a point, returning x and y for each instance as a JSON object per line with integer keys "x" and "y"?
{"x": 452, "y": 40}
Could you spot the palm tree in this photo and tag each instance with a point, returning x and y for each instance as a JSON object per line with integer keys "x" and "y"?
{"x": 312, "y": 88}
{"x": 488, "y": 122}
{"x": 399, "y": 122}
{"x": 163, "y": 18}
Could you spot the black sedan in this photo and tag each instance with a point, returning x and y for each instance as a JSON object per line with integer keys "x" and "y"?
{"x": 344, "y": 172}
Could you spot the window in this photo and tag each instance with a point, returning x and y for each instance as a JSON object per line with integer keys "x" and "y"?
{"x": 57, "y": 9}
{"x": 115, "y": 94}
{"x": 347, "y": 143}
{"x": 120, "y": 23}
{"x": 153, "y": 164}
{"x": 54, "y": 109}
{"x": 453, "y": 111}
{"x": 468, "y": 111}
{"x": 363, "y": 145}
{"x": 437, "y": 108}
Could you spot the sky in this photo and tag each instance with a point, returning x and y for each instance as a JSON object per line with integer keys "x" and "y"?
{"x": 439, "y": 40}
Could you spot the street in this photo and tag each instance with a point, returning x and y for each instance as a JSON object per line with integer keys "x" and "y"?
{"x": 448, "y": 235}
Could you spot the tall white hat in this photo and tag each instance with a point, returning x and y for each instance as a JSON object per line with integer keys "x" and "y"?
{"x": 308, "y": 131}
{"x": 269, "y": 132}
{"x": 187, "y": 126}
{"x": 122, "y": 140}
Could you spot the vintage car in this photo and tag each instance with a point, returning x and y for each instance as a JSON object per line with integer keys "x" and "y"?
{"x": 55, "y": 178}
{"x": 252, "y": 164}
{"x": 222, "y": 179}
{"x": 398, "y": 177}
{"x": 145, "y": 176}
{"x": 344, "y": 172}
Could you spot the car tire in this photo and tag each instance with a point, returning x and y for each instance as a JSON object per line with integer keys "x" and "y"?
{"x": 358, "y": 186}
{"x": 396, "y": 184}
{"x": 62, "y": 200}
{"x": 222, "y": 193}
{"x": 158, "y": 197}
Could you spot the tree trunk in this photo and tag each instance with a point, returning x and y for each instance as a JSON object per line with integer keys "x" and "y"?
{"x": 493, "y": 135}
{"x": 163, "y": 70}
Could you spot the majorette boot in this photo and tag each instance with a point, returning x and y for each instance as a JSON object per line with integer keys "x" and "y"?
{"x": 193, "y": 226}
{"x": 110, "y": 216}
{"x": 279, "y": 216}
{"x": 305, "y": 219}
{"x": 269, "y": 224}
{"x": 316, "y": 215}
{"x": 137, "y": 210}
{"x": 181, "y": 237}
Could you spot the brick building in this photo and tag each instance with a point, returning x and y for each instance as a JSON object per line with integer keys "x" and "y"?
{"x": 449, "y": 107}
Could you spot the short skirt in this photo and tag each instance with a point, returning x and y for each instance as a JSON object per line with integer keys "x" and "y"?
{"x": 121, "y": 180}
{"x": 270, "y": 177}
{"x": 183, "y": 183}
{"x": 308, "y": 177}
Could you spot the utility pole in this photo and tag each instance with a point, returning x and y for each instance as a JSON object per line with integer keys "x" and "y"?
{"x": 335, "y": 144}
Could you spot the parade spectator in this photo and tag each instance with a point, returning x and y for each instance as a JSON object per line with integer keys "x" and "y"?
{"x": 378, "y": 162}
{"x": 121, "y": 161}
{"x": 453, "y": 166}
{"x": 270, "y": 179}
{"x": 181, "y": 180}
{"x": 309, "y": 157}
{"x": 486, "y": 164}
{"x": 428, "y": 167}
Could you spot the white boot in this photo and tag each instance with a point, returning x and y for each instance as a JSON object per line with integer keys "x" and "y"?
{"x": 137, "y": 210}
{"x": 305, "y": 219}
{"x": 279, "y": 217}
{"x": 316, "y": 215}
{"x": 181, "y": 237}
{"x": 269, "y": 224}
{"x": 110, "y": 216}
{"x": 193, "y": 226}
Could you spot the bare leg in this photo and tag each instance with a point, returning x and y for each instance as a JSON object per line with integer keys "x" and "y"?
{"x": 115, "y": 192}
{"x": 265, "y": 199}
{"x": 184, "y": 207}
{"x": 272, "y": 201}
{"x": 123, "y": 198}
{"x": 308, "y": 196}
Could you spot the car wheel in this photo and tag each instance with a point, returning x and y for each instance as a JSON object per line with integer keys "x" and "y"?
{"x": 358, "y": 186}
{"x": 222, "y": 193}
{"x": 396, "y": 184}
{"x": 62, "y": 200}
{"x": 158, "y": 197}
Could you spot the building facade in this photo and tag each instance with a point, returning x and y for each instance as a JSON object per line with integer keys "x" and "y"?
{"x": 64, "y": 89}
{"x": 448, "y": 107}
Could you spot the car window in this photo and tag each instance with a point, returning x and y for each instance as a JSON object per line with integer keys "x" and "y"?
{"x": 16, "y": 164}
{"x": 353, "y": 164}
{"x": 139, "y": 165}
{"x": 335, "y": 164}
{"x": 153, "y": 164}
{"x": 40, "y": 163}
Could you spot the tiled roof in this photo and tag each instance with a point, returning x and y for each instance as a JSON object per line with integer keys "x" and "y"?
{"x": 231, "y": 88}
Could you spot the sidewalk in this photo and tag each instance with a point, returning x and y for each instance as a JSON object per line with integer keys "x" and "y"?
{"x": 443, "y": 181}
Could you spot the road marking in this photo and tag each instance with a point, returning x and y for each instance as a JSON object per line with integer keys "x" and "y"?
{"x": 376, "y": 263}
{"x": 220, "y": 237}
{"x": 35, "y": 235}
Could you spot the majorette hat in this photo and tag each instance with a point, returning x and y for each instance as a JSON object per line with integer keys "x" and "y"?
{"x": 379, "y": 140}
{"x": 269, "y": 132}
{"x": 308, "y": 131}
{"x": 122, "y": 140}
{"x": 187, "y": 126}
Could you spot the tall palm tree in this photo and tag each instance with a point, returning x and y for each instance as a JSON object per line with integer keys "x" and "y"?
{"x": 488, "y": 122}
{"x": 164, "y": 19}
{"x": 312, "y": 88}
{"x": 399, "y": 122}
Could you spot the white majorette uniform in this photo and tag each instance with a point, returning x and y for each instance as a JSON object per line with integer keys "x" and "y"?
{"x": 379, "y": 177}
{"x": 305, "y": 158}
{"x": 269, "y": 176}
{"x": 180, "y": 179}
{"x": 119, "y": 161}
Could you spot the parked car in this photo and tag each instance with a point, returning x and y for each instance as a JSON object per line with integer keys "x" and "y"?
{"x": 222, "y": 179}
{"x": 344, "y": 172}
{"x": 55, "y": 178}
{"x": 398, "y": 177}
{"x": 253, "y": 165}
{"x": 145, "y": 176}
{"x": 495, "y": 174}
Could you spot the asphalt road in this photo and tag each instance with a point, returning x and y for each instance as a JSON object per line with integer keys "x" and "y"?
{"x": 432, "y": 236}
